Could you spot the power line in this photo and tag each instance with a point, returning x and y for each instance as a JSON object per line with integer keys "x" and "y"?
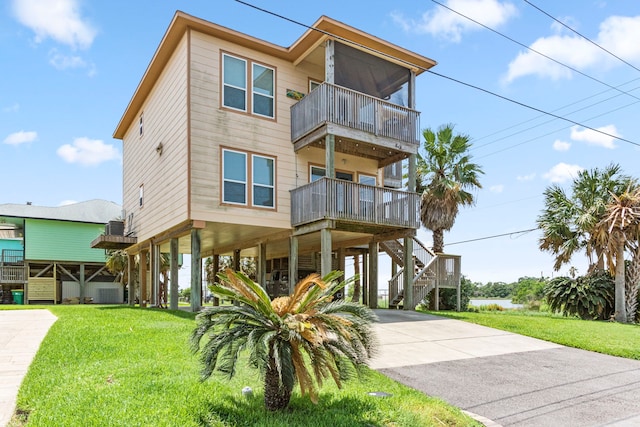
{"x": 557, "y": 109}
{"x": 532, "y": 49}
{"x": 436, "y": 74}
{"x": 546, "y": 134}
{"x": 492, "y": 237}
{"x": 584, "y": 37}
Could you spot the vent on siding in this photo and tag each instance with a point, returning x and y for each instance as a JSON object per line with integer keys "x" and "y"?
{"x": 107, "y": 296}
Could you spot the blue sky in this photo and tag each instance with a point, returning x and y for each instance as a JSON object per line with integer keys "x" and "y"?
{"x": 70, "y": 67}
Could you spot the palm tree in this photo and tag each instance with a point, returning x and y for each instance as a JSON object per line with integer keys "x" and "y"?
{"x": 445, "y": 176}
{"x": 293, "y": 339}
{"x": 622, "y": 224}
{"x": 568, "y": 222}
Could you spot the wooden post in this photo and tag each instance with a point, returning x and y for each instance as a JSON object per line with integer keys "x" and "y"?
{"x": 143, "y": 278}
{"x": 155, "y": 274}
{"x": 80, "y": 283}
{"x": 173, "y": 290}
{"x": 262, "y": 265}
{"x": 409, "y": 266}
{"x": 329, "y": 156}
{"x": 131, "y": 261}
{"x": 365, "y": 278}
{"x": 216, "y": 268}
{"x": 293, "y": 263}
{"x": 373, "y": 274}
{"x": 196, "y": 271}
{"x": 236, "y": 260}
{"x": 325, "y": 250}
{"x": 329, "y": 60}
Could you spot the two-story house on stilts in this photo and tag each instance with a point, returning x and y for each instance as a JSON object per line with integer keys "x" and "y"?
{"x": 235, "y": 146}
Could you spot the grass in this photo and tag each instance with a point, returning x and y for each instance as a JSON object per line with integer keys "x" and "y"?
{"x": 616, "y": 339}
{"x": 124, "y": 366}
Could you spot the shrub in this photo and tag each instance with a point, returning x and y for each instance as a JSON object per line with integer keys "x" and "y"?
{"x": 448, "y": 297}
{"x": 588, "y": 297}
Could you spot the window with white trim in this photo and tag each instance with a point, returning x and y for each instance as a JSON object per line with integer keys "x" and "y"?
{"x": 240, "y": 77}
{"x": 248, "y": 179}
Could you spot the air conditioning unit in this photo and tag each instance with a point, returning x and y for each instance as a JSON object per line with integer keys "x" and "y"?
{"x": 114, "y": 228}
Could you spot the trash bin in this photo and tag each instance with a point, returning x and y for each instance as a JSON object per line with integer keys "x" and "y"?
{"x": 18, "y": 296}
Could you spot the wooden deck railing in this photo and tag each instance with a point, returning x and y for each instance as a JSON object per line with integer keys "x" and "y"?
{"x": 329, "y": 103}
{"x": 349, "y": 201}
{"x": 11, "y": 274}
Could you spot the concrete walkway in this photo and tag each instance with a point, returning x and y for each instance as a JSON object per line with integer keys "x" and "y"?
{"x": 504, "y": 378}
{"x": 21, "y": 332}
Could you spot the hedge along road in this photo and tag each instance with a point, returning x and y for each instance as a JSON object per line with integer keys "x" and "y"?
{"x": 508, "y": 378}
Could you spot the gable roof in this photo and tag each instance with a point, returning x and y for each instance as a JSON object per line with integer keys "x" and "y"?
{"x": 93, "y": 211}
{"x": 324, "y": 28}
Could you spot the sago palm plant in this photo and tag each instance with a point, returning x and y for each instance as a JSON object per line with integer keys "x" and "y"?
{"x": 303, "y": 338}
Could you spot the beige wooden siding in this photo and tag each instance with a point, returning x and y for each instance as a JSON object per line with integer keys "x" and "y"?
{"x": 165, "y": 177}
{"x": 213, "y": 127}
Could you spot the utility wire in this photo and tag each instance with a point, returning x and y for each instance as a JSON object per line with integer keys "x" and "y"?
{"x": 584, "y": 37}
{"x": 557, "y": 109}
{"x": 491, "y": 237}
{"x": 548, "y": 133}
{"x": 533, "y": 50}
{"x": 436, "y": 74}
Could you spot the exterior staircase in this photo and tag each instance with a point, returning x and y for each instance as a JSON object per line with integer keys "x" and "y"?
{"x": 424, "y": 278}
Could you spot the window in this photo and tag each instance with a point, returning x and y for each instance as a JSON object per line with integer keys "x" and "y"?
{"x": 263, "y": 185}
{"x": 262, "y": 90}
{"x": 313, "y": 84}
{"x": 234, "y": 188}
{"x": 234, "y": 90}
{"x": 141, "y": 195}
{"x": 236, "y": 76}
{"x": 141, "y": 124}
{"x": 317, "y": 173}
{"x": 248, "y": 178}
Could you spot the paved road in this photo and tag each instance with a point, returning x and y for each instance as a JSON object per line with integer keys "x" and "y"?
{"x": 508, "y": 378}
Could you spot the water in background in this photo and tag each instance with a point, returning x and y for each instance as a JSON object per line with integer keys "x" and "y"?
{"x": 506, "y": 303}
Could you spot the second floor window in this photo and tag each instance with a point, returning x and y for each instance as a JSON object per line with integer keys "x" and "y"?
{"x": 248, "y": 179}
{"x": 240, "y": 78}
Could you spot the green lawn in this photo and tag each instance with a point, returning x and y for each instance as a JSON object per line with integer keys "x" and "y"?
{"x": 123, "y": 366}
{"x": 616, "y": 339}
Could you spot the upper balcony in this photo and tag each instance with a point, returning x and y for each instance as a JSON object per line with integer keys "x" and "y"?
{"x": 363, "y": 125}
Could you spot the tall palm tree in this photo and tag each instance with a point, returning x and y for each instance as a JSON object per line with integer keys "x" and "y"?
{"x": 568, "y": 221}
{"x": 299, "y": 338}
{"x": 445, "y": 177}
{"x": 622, "y": 223}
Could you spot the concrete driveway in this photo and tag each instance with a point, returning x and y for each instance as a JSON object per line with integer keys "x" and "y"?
{"x": 21, "y": 332}
{"x": 510, "y": 379}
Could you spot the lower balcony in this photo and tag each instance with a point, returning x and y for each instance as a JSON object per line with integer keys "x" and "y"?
{"x": 357, "y": 205}
{"x": 12, "y": 274}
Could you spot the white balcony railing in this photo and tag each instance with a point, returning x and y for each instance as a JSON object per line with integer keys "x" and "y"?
{"x": 329, "y": 103}
{"x": 336, "y": 199}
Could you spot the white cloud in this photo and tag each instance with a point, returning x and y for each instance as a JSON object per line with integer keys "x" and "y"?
{"x": 59, "y": 20}
{"x": 529, "y": 177}
{"x": 561, "y": 145}
{"x": 496, "y": 188}
{"x": 446, "y": 24}
{"x": 62, "y": 62}
{"x": 563, "y": 172}
{"x": 12, "y": 108}
{"x": 592, "y": 137}
{"x": 88, "y": 152}
{"x": 618, "y": 34}
{"x": 67, "y": 202}
{"x": 21, "y": 137}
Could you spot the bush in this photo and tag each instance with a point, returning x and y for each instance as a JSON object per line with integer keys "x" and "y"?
{"x": 448, "y": 297}
{"x": 588, "y": 297}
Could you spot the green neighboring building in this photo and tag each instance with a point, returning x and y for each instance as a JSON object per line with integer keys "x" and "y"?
{"x": 46, "y": 252}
